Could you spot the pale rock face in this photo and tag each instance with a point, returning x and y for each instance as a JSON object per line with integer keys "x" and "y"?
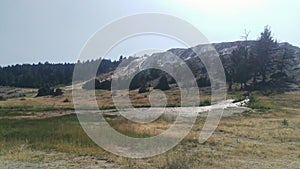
{"x": 166, "y": 59}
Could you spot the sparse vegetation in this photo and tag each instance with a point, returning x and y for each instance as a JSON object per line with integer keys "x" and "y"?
{"x": 257, "y": 136}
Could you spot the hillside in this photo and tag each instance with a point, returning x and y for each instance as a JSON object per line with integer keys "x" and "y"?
{"x": 138, "y": 66}
{"x": 38, "y": 75}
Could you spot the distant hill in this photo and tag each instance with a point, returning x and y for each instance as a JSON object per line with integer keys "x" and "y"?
{"x": 224, "y": 49}
{"x": 38, "y": 75}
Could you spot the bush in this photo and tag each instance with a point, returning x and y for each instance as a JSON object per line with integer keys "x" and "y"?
{"x": 58, "y": 92}
{"x": 285, "y": 122}
{"x": 66, "y": 100}
{"x": 45, "y": 91}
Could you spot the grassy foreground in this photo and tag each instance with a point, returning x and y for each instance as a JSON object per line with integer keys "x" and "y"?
{"x": 266, "y": 137}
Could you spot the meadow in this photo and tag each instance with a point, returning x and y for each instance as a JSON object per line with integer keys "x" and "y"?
{"x": 267, "y": 136}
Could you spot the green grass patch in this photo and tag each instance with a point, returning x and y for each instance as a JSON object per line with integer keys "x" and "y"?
{"x": 259, "y": 103}
{"x": 237, "y": 96}
{"x": 62, "y": 134}
{"x": 126, "y": 127}
{"x": 205, "y": 103}
{"x": 13, "y": 111}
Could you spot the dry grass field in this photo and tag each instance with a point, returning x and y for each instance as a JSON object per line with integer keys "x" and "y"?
{"x": 268, "y": 136}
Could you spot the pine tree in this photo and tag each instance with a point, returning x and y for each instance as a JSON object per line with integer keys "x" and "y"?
{"x": 162, "y": 84}
{"x": 264, "y": 50}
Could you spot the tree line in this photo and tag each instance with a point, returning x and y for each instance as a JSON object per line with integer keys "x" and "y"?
{"x": 47, "y": 74}
{"x": 36, "y": 75}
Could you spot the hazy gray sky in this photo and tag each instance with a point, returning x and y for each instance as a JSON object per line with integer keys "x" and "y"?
{"x": 56, "y": 30}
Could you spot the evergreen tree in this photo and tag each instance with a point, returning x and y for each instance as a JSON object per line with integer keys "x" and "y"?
{"x": 264, "y": 50}
{"x": 162, "y": 84}
{"x": 241, "y": 66}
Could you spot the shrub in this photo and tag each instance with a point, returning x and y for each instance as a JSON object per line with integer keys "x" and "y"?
{"x": 58, "y": 92}
{"x": 66, "y": 100}
{"x": 285, "y": 122}
{"x": 45, "y": 91}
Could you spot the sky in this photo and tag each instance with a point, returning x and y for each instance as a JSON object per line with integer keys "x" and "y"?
{"x": 33, "y": 31}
